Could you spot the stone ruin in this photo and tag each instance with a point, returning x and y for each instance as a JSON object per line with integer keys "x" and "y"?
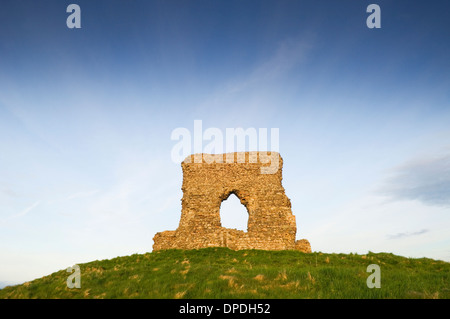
{"x": 210, "y": 179}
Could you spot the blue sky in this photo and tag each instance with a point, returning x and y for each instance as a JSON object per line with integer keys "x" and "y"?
{"x": 86, "y": 117}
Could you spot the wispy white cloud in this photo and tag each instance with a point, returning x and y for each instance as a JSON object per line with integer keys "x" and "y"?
{"x": 408, "y": 234}
{"x": 423, "y": 179}
{"x": 9, "y": 192}
{"x": 27, "y": 210}
{"x": 289, "y": 54}
{"x": 252, "y": 90}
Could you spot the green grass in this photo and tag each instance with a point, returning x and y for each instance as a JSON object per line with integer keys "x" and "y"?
{"x": 224, "y": 273}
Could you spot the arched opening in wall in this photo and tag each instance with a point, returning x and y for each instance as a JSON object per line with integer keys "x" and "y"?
{"x": 233, "y": 214}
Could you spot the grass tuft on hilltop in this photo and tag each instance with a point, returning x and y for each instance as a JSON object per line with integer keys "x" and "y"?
{"x": 224, "y": 273}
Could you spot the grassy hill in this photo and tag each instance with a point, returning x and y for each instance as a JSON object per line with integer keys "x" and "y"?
{"x": 224, "y": 273}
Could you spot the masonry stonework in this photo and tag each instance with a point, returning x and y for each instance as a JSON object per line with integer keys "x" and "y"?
{"x": 208, "y": 181}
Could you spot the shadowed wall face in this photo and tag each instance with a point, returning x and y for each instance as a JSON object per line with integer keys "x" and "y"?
{"x": 271, "y": 224}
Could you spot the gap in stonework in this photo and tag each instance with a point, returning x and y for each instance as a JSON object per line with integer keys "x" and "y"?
{"x": 233, "y": 214}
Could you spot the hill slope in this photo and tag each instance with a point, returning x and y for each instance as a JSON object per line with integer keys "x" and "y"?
{"x": 223, "y": 273}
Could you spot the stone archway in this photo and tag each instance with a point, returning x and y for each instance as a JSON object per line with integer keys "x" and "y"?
{"x": 233, "y": 214}
{"x": 271, "y": 224}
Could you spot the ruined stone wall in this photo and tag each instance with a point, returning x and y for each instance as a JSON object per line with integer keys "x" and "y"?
{"x": 252, "y": 178}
